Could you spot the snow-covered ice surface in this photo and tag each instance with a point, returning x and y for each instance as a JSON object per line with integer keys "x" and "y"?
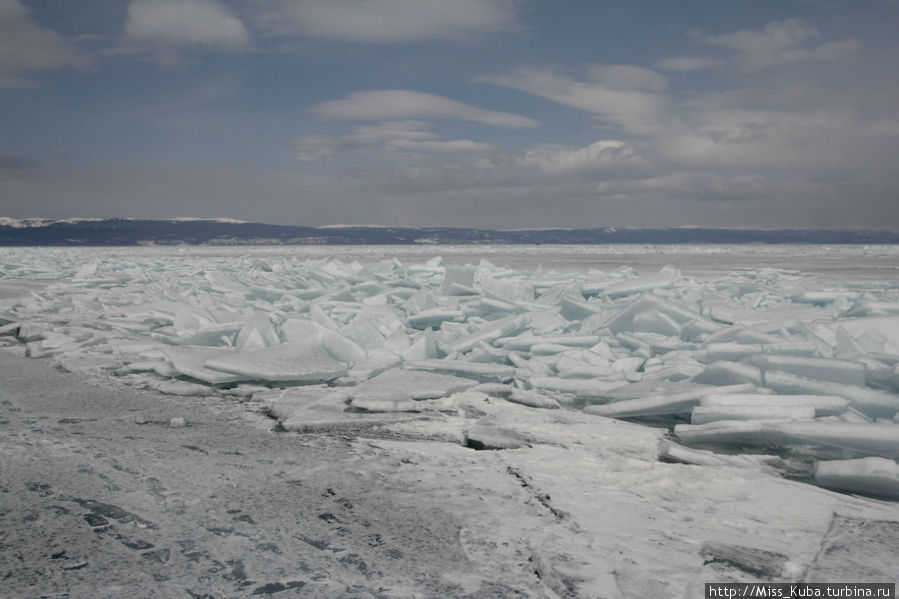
{"x": 578, "y": 421}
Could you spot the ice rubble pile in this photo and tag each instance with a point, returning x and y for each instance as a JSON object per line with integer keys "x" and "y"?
{"x": 750, "y": 361}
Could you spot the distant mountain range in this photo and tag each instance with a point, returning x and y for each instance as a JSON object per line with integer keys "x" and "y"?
{"x": 221, "y": 231}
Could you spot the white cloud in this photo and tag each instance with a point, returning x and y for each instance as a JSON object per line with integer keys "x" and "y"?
{"x": 390, "y": 21}
{"x": 452, "y": 145}
{"x": 685, "y": 63}
{"x": 781, "y": 43}
{"x": 391, "y": 136}
{"x": 164, "y": 27}
{"x": 636, "y": 110}
{"x": 627, "y": 77}
{"x": 26, "y": 47}
{"x": 313, "y": 148}
{"x": 381, "y": 105}
{"x": 603, "y": 153}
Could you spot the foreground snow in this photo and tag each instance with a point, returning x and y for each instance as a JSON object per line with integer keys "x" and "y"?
{"x": 742, "y": 390}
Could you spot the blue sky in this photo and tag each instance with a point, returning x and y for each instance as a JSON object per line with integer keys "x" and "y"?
{"x": 484, "y": 113}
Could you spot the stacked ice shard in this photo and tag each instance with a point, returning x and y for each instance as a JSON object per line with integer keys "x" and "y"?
{"x": 753, "y": 362}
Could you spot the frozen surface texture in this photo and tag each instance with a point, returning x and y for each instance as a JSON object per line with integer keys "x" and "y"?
{"x": 632, "y": 429}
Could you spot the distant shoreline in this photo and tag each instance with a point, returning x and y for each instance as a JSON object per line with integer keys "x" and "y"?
{"x": 219, "y": 232}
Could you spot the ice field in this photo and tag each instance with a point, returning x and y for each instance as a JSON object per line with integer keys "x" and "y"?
{"x": 671, "y": 415}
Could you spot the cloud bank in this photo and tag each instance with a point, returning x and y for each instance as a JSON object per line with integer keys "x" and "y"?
{"x": 390, "y": 21}
{"x": 26, "y": 47}
{"x": 407, "y": 104}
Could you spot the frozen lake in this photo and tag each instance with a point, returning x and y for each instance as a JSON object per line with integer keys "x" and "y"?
{"x": 866, "y": 262}
{"x": 634, "y": 420}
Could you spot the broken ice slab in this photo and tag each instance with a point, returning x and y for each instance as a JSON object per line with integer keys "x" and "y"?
{"x": 654, "y": 321}
{"x": 628, "y": 364}
{"x": 372, "y": 326}
{"x": 183, "y": 388}
{"x": 671, "y": 372}
{"x": 30, "y": 331}
{"x": 458, "y": 280}
{"x": 729, "y": 373}
{"x": 658, "y": 405}
{"x": 491, "y": 331}
{"x": 302, "y": 331}
{"x": 422, "y": 348}
{"x": 873, "y": 308}
{"x": 637, "y": 346}
{"x": 526, "y": 342}
{"x": 257, "y": 333}
{"x": 664, "y": 278}
{"x": 669, "y": 451}
{"x": 736, "y": 350}
{"x": 532, "y": 399}
{"x": 581, "y": 364}
{"x": 486, "y": 434}
{"x": 434, "y": 317}
{"x": 160, "y": 367}
{"x": 477, "y": 371}
{"x": 582, "y": 388}
{"x": 491, "y": 305}
{"x": 872, "y": 476}
{"x": 823, "y": 405}
{"x": 494, "y": 389}
{"x": 410, "y": 384}
{"x": 574, "y": 309}
{"x": 702, "y": 414}
{"x": 342, "y": 349}
{"x": 288, "y": 402}
{"x": 216, "y": 334}
{"x": 321, "y": 409}
{"x": 873, "y": 402}
{"x": 513, "y": 290}
{"x": 386, "y": 404}
{"x": 190, "y": 361}
{"x": 56, "y": 344}
{"x": 798, "y": 349}
{"x": 874, "y": 333}
{"x": 312, "y": 421}
{"x": 675, "y": 314}
{"x": 823, "y": 297}
{"x": 733, "y": 433}
{"x": 727, "y": 352}
{"x": 11, "y": 328}
{"x": 877, "y": 439}
{"x": 869, "y": 439}
{"x": 289, "y": 362}
{"x": 823, "y": 369}
{"x": 548, "y": 349}
{"x": 660, "y": 344}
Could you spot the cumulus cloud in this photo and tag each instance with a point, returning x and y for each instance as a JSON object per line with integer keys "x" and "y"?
{"x": 391, "y": 136}
{"x": 600, "y": 154}
{"x": 685, "y": 63}
{"x": 627, "y": 77}
{"x": 618, "y": 96}
{"x": 382, "y": 105}
{"x": 25, "y": 46}
{"x": 390, "y": 21}
{"x": 165, "y": 27}
{"x": 452, "y": 145}
{"x": 781, "y": 43}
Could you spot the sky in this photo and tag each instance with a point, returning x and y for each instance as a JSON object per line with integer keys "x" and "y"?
{"x": 473, "y": 113}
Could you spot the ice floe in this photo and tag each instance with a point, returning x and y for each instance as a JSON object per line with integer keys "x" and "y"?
{"x": 747, "y": 361}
